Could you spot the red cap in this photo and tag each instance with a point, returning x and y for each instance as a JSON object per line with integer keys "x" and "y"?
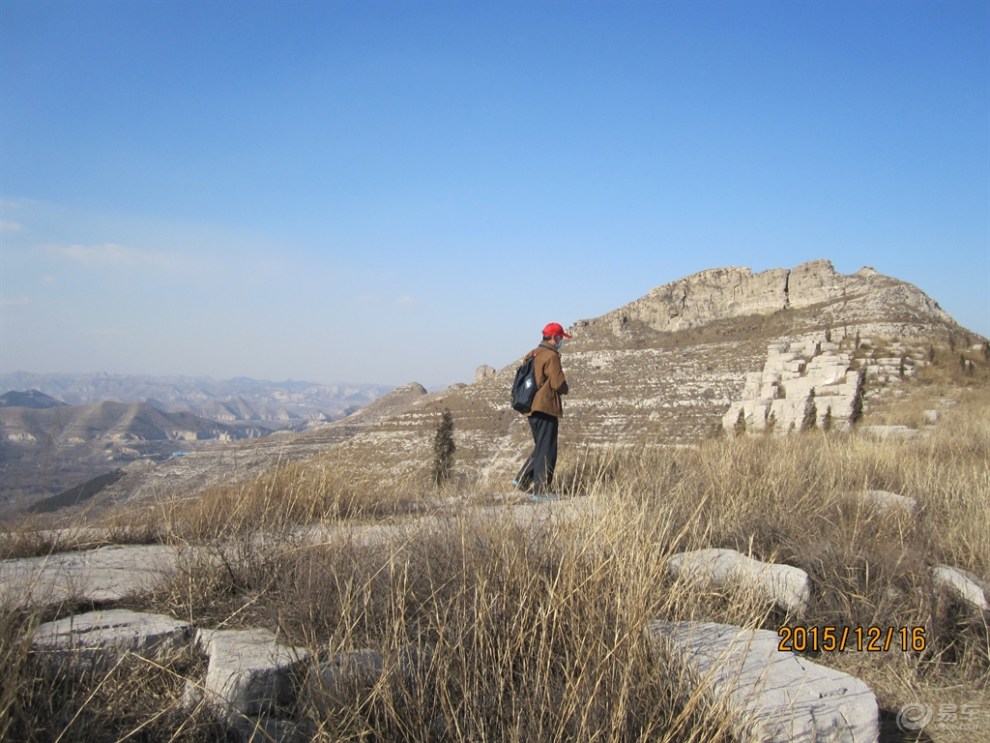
{"x": 555, "y": 328}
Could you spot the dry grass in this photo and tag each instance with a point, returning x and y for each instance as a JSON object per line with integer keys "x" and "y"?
{"x": 34, "y": 537}
{"x": 318, "y": 491}
{"x": 794, "y": 500}
{"x": 491, "y": 630}
{"x": 521, "y": 633}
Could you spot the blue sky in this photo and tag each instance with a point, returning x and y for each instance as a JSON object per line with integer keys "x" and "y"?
{"x": 396, "y": 191}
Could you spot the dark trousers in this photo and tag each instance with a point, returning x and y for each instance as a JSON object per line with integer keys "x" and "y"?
{"x": 539, "y": 466}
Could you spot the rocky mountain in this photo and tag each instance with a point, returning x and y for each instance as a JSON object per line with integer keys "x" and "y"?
{"x": 873, "y": 303}
{"x": 67, "y": 425}
{"x": 722, "y": 349}
{"x": 274, "y": 405}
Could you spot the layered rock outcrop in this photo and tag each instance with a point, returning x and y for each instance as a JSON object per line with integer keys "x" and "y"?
{"x": 722, "y": 293}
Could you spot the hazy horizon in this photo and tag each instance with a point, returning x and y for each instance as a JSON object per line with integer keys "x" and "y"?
{"x": 345, "y": 192}
{"x": 95, "y": 372}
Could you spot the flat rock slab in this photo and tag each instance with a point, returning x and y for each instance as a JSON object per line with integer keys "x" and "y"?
{"x": 103, "y": 637}
{"x": 249, "y": 673}
{"x": 772, "y": 696}
{"x": 960, "y": 585}
{"x": 100, "y": 575}
{"x": 787, "y": 586}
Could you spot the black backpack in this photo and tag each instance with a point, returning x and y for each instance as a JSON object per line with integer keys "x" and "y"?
{"x": 524, "y": 386}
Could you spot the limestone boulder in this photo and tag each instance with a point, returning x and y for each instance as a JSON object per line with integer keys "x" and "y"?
{"x": 332, "y": 683}
{"x": 889, "y": 432}
{"x": 786, "y": 586}
{"x": 250, "y": 674}
{"x": 805, "y": 382}
{"x": 484, "y": 372}
{"x": 772, "y": 696}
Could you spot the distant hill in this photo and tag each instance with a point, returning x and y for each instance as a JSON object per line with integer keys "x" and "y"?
{"x": 28, "y": 399}
{"x": 76, "y": 495}
{"x": 664, "y": 369}
{"x": 185, "y": 465}
{"x": 67, "y": 425}
{"x": 44, "y": 450}
{"x": 275, "y": 405}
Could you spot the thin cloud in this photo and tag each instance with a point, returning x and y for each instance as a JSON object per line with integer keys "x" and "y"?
{"x": 114, "y": 256}
{"x": 107, "y": 254}
{"x": 8, "y": 226}
{"x": 14, "y": 301}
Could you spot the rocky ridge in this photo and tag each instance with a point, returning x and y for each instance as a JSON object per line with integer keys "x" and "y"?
{"x": 68, "y": 425}
{"x": 866, "y": 299}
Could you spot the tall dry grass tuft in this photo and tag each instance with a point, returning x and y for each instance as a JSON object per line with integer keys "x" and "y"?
{"x": 490, "y": 629}
{"x": 16, "y": 628}
{"x": 35, "y": 537}
{"x": 317, "y": 491}
{"x": 133, "y": 699}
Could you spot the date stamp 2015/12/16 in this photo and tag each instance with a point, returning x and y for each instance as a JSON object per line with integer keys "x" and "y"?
{"x": 834, "y": 638}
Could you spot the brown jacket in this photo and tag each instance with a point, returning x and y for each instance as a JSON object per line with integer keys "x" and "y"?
{"x": 550, "y": 381}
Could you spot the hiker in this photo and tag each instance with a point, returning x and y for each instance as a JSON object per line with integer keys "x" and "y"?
{"x": 544, "y": 416}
